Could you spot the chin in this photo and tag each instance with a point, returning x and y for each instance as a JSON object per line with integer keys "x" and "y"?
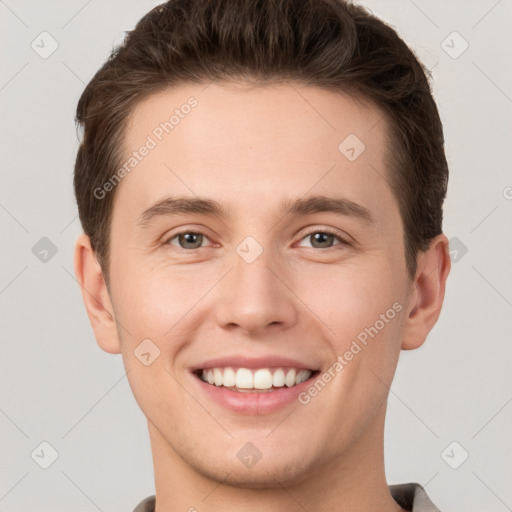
{"x": 264, "y": 475}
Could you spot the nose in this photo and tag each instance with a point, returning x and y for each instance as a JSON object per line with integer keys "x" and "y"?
{"x": 256, "y": 296}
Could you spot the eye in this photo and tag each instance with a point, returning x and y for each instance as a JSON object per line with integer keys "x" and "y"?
{"x": 322, "y": 239}
{"x": 188, "y": 239}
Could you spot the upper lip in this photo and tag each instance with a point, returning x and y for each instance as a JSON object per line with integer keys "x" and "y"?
{"x": 239, "y": 361}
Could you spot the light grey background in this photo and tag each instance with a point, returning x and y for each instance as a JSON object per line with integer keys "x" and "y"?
{"x": 59, "y": 387}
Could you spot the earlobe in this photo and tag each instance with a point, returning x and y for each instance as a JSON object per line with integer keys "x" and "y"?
{"x": 427, "y": 297}
{"x": 95, "y": 296}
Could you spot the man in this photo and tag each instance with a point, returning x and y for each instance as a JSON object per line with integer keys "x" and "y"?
{"x": 261, "y": 187}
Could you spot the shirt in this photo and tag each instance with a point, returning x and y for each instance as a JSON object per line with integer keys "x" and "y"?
{"x": 409, "y": 496}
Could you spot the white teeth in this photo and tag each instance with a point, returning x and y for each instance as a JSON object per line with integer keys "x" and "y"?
{"x": 243, "y": 379}
{"x": 278, "y": 378}
{"x": 229, "y": 377}
{"x": 302, "y": 376}
{"x": 218, "y": 376}
{"x": 290, "y": 378}
{"x": 262, "y": 379}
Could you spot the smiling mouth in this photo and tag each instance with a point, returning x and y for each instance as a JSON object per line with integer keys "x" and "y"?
{"x": 261, "y": 380}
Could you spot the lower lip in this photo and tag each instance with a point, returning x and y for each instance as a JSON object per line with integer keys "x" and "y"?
{"x": 253, "y": 403}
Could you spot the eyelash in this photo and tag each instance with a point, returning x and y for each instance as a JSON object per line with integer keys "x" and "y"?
{"x": 325, "y": 231}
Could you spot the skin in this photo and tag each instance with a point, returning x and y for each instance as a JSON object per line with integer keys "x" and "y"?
{"x": 250, "y": 148}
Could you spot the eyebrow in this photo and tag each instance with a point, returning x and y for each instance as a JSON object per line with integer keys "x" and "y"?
{"x": 296, "y": 207}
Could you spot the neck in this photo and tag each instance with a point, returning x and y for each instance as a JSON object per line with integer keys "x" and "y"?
{"x": 354, "y": 480}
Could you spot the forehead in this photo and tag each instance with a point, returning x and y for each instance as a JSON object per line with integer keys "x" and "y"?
{"x": 250, "y": 114}
{"x": 235, "y": 140}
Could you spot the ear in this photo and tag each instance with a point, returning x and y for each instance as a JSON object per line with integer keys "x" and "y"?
{"x": 427, "y": 294}
{"x": 95, "y": 295}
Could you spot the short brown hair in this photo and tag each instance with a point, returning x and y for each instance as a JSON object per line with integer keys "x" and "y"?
{"x": 331, "y": 44}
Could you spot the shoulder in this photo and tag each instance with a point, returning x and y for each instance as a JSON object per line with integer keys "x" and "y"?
{"x": 412, "y": 497}
{"x": 146, "y": 505}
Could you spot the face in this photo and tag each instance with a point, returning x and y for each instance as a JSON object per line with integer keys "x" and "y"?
{"x": 283, "y": 261}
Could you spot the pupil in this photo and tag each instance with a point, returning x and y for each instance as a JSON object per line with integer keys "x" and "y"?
{"x": 192, "y": 238}
{"x": 322, "y": 238}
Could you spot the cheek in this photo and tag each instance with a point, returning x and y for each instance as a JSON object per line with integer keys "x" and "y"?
{"x": 362, "y": 307}
{"x": 151, "y": 305}
{"x": 349, "y": 298}
{"x": 150, "y": 300}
